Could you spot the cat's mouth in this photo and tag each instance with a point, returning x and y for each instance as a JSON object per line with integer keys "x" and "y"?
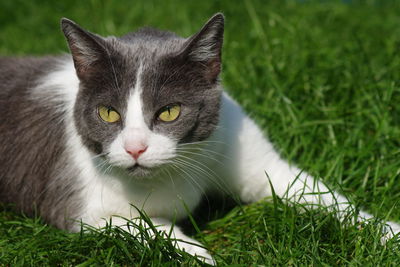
{"x": 139, "y": 170}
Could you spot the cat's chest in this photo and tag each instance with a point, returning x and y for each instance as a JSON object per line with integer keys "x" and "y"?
{"x": 168, "y": 196}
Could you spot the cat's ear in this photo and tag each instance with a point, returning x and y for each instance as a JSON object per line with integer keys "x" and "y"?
{"x": 206, "y": 45}
{"x": 87, "y": 49}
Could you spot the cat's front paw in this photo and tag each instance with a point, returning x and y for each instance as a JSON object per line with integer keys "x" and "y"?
{"x": 390, "y": 230}
{"x": 194, "y": 248}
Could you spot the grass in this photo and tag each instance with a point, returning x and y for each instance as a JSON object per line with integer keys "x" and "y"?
{"x": 321, "y": 77}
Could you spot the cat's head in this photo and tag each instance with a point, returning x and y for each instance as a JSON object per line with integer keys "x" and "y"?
{"x": 143, "y": 94}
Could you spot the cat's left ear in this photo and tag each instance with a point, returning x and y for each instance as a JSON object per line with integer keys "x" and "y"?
{"x": 205, "y": 47}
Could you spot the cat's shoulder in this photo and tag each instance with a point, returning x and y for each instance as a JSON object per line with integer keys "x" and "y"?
{"x": 22, "y": 73}
{"x": 18, "y": 65}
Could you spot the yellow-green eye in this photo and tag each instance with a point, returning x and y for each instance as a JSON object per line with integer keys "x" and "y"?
{"x": 108, "y": 114}
{"x": 169, "y": 113}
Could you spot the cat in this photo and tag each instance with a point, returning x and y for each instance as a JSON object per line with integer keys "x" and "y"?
{"x": 136, "y": 121}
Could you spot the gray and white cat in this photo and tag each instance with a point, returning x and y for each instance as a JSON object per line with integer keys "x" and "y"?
{"x": 135, "y": 120}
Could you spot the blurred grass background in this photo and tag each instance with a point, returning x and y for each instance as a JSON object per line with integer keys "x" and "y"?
{"x": 322, "y": 78}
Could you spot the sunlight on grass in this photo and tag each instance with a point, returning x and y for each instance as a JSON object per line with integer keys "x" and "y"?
{"x": 321, "y": 77}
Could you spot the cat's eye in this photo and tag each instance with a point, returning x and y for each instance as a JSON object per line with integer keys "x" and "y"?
{"x": 169, "y": 113}
{"x": 108, "y": 114}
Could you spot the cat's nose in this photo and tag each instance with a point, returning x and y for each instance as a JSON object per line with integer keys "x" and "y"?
{"x": 136, "y": 150}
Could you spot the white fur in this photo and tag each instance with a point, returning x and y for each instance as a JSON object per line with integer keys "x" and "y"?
{"x": 233, "y": 160}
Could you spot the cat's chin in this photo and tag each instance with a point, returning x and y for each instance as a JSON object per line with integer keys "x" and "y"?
{"x": 139, "y": 171}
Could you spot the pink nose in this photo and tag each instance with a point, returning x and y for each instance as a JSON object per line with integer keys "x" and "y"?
{"x": 136, "y": 151}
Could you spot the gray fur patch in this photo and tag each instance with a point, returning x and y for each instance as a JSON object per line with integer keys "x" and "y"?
{"x": 32, "y": 145}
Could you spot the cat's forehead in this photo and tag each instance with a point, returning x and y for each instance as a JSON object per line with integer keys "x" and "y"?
{"x": 151, "y": 52}
{"x": 149, "y": 43}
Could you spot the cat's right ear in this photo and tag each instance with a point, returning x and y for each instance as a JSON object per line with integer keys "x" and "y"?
{"x": 87, "y": 49}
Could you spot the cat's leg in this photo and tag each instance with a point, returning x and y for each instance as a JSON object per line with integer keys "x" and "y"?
{"x": 182, "y": 241}
{"x": 164, "y": 228}
{"x": 256, "y": 164}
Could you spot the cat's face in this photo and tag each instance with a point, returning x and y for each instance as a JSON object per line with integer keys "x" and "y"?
{"x": 144, "y": 93}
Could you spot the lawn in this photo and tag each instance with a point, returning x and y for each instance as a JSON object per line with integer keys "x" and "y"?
{"x": 322, "y": 78}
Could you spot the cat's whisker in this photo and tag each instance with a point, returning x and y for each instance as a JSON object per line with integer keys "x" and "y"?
{"x": 202, "y": 143}
{"x": 200, "y": 163}
{"x": 183, "y": 151}
{"x": 102, "y": 164}
{"x": 105, "y": 168}
{"x": 189, "y": 164}
{"x": 213, "y": 179}
{"x": 193, "y": 182}
{"x": 210, "y": 179}
{"x": 211, "y": 176}
{"x": 108, "y": 169}
{"x": 204, "y": 156}
{"x": 100, "y": 155}
{"x": 200, "y": 148}
{"x": 170, "y": 176}
{"x": 181, "y": 169}
{"x": 195, "y": 168}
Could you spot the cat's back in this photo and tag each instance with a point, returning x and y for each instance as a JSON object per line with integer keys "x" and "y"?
{"x": 19, "y": 77}
{"x": 31, "y": 131}
{"x": 19, "y": 74}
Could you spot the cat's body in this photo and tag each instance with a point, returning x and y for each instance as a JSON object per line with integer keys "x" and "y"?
{"x": 32, "y": 142}
{"x": 58, "y": 157}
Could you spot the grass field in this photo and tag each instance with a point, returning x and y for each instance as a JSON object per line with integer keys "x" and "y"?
{"x": 321, "y": 77}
